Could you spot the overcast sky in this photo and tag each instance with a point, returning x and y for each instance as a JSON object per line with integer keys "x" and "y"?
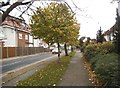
{"x": 95, "y": 13}
{"x": 91, "y": 15}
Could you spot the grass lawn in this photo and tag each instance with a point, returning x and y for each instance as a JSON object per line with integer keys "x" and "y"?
{"x": 50, "y": 75}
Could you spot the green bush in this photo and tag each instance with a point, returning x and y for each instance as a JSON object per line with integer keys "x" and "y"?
{"x": 92, "y": 50}
{"x": 104, "y": 62}
{"x": 106, "y": 47}
{"x": 107, "y": 69}
{"x": 89, "y": 51}
{"x": 94, "y": 60}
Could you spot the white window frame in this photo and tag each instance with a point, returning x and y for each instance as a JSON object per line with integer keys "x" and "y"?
{"x": 26, "y": 37}
{"x": 20, "y": 36}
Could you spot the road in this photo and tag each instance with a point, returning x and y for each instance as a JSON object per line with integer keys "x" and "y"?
{"x": 17, "y": 63}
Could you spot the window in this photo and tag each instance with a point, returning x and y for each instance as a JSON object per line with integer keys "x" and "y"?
{"x": 20, "y": 36}
{"x": 26, "y": 37}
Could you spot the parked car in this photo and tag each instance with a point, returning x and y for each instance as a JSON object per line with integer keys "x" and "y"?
{"x": 55, "y": 51}
{"x": 51, "y": 48}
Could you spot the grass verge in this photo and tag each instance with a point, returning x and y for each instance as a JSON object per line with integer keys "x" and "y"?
{"x": 50, "y": 75}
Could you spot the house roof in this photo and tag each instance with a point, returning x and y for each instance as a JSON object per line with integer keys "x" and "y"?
{"x": 17, "y": 23}
{"x": 111, "y": 30}
{"x": 10, "y": 23}
{"x": 93, "y": 39}
{"x": 107, "y": 32}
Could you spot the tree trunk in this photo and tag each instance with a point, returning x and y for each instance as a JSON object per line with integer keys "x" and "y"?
{"x": 72, "y": 49}
{"x": 58, "y": 52}
{"x": 65, "y": 47}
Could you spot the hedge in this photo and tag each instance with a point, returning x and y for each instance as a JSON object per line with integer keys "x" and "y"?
{"x": 104, "y": 62}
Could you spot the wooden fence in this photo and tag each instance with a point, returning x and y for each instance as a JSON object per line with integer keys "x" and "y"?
{"x": 21, "y": 51}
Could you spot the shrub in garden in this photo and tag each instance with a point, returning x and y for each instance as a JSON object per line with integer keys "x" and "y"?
{"x": 93, "y": 49}
{"x": 104, "y": 62}
{"x": 106, "y": 47}
{"x": 107, "y": 69}
{"x": 94, "y": 60}
{"x": 87, "y": 51}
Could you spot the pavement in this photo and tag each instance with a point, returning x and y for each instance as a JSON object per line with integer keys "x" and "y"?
{"x": 76, "y": 74}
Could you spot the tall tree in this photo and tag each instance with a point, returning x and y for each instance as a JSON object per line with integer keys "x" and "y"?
{"x": 116, "y": 40}
{"x": 54, "y": 24}
{"x": 99, "y": 36}
{"x": 73, "y": 34}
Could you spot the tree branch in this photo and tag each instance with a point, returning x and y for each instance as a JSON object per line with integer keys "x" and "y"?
{"x": 76, "y": 5}
{"x": 25, "y": 13}
{"x": 2, "y": 10}
{"x": 69, "y": 7}
{"x": 5, "y": 4}
{"x": 27, "y": 8}
{"x": 14, "y": 5}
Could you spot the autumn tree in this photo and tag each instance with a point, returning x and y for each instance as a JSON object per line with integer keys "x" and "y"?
{"x": 72, "y": 40}
{"x": 54, "y": 24}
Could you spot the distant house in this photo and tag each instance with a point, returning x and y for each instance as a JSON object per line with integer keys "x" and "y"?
{"x": 43, "y": 44}
{"x": 93, "y": 41}
{"x": 109, "y": 34}
{"x": 36, "y": 42}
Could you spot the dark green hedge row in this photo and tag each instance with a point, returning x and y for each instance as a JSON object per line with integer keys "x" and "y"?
{"x": 104, "y": 62}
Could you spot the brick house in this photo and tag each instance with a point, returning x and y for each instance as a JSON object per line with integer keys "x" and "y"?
{"x": 16, "y": 32}
{"x": 23, "y": 36}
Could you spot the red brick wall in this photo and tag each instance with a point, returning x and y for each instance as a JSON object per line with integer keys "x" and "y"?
{"x": 23, "y": 42}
